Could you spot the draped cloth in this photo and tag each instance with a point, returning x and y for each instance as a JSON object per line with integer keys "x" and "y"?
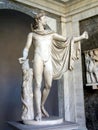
{"x": 63, "y": 55}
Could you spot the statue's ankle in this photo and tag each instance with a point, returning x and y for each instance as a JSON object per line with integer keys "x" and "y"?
{"x": 38, "y": 116}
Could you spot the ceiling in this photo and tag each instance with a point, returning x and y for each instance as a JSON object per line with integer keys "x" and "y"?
{"x": 64, "y": 1}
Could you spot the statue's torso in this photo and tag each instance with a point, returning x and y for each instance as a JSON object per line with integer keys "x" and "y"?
{"x": 42, "y": 44}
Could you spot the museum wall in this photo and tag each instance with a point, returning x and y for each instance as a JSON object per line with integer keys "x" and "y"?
{"x": 14, "y": 27}
{"x": 90, "y": 94}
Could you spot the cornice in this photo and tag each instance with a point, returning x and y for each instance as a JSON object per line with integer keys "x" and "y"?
{"x": 51, "y": 6}
{"x": 79, "y": 6}
{"x": 67, "y": 9}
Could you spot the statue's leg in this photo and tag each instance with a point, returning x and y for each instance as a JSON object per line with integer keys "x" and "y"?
{"x": 48, "y": 83}
{"x": 38, "y": 71}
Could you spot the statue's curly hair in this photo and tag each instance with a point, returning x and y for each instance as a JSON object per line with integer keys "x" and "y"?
{"x": 34, "y": 25}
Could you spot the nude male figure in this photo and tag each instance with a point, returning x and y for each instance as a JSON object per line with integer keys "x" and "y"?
{"x": 42, "y": 65}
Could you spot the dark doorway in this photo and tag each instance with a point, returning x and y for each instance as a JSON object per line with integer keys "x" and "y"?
{"x": 90, "y": 95}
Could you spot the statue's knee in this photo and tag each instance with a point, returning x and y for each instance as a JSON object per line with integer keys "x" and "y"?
{"x": 38, "y": 84}
{"x": 48, "y": 86}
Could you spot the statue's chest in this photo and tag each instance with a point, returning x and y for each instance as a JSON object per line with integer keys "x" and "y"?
{"x": 43, "y": 38}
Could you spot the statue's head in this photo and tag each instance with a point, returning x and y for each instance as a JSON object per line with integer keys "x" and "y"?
{"x": 91, "y": 53}
{"x": 39, "y": 15}
{"x": 39, "y": 18}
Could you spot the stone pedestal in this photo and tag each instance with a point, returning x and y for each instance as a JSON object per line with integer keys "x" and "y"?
{"x": 63, "y": 126}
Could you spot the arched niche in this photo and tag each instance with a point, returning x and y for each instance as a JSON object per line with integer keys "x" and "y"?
{"x": 6, "y": 4}
{"x": 15, "y": 23}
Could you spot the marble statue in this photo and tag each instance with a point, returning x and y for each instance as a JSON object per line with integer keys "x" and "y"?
{"x": 53, "y": 55}
{"x": 91, "y": 61}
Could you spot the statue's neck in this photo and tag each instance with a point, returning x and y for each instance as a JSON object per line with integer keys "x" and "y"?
{"x": 44, "y": 32}
{"x": 40, "y": 27}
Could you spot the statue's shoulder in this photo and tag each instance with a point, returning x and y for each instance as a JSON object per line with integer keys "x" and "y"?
{"x": 30, "y": 34}
{"x": 33, "y": 34}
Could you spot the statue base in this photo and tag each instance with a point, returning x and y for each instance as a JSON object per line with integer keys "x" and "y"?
{"x": 47, "y": 124}
{"x": 44, "y": 121}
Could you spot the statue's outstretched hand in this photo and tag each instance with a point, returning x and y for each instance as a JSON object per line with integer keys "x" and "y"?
{"x": 21, "y": 60}
{"x": 85, "y": 35}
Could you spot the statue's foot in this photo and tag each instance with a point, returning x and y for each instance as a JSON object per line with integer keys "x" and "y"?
{"x": 38, "y": 117}
{"x": 44, "y": 112}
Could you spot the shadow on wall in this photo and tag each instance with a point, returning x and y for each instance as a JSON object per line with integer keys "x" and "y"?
{"x": 14, "y": 27}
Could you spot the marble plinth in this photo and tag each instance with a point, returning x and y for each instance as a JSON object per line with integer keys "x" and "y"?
{"x": 63, "y": 126}
{"x": 44, "y": 121}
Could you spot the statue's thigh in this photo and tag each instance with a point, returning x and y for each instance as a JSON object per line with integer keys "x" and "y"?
{"x": 48, "y": 71}
{"x": 38, "y": 68}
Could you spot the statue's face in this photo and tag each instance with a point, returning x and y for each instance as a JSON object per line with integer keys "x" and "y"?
{"x": 43, "y": 20}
